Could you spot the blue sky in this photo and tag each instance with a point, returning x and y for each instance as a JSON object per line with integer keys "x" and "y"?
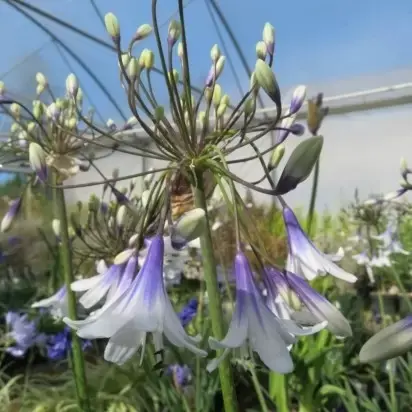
{"x": 317, "y": 41}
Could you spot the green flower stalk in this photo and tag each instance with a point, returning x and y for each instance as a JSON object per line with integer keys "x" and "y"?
{"x": 78, "y": 363}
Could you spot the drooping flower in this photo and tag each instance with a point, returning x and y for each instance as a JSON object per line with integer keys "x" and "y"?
{"x": 390, "y": 342}
{"x": 304, "y": 258}
{"x": 56, "y": 304}
{"x": 255, "y": 327}
{"x": 23, "y": 332}
{"x": 134, "y": 311}
{"x": 319, "y": 307}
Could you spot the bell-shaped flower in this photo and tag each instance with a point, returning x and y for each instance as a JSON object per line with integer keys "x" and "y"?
{"x": 255, "y": 327}
{"x": 304, "y": 258}
{"x": 380, "y": 260}
{"x": 134, "y": 311}
{"x": 320, "y": 308}
{"x": 396, "y": 247}
{"x": 386, "y": 236}
{"x": 100, "y": 286}
{"x": 285, "y": 303}
{"x": 56, "y": 304}
{"x": 388, "y": 343}
{"x": 362, "y": 258}
{"x": 10, "y": 215}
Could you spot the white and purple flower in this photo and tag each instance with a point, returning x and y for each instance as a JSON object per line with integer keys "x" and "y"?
{"x": 139, "y": 306}
{"x": 254, "y": 327}
{"x": 304, "y": 258}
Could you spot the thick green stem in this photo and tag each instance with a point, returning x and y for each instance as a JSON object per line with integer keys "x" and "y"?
{"x": 79, "y": 372}
{"x": 312, "y": 203}
{"x": 278, "y": 391}
{"x": 215, "y": 305}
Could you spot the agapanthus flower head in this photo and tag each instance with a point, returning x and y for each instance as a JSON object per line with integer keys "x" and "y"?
{"x": 133, "y": 312}
{"x": 254, "y": 327}
{"x": 23, "y": 333}
{"x": 392, "y": 341}
{"x": 304, "y": 258}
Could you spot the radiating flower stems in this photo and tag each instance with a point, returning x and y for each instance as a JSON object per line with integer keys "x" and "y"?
{"x": 278, "y": 391}
{"x": 312, "y": 203}
{"x": 66, "y": 260}
{"x": 215, "y": 305}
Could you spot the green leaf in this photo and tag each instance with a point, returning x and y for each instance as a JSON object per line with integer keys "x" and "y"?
{"x": 332, "y": 390}
{"x": 299, "y": 164}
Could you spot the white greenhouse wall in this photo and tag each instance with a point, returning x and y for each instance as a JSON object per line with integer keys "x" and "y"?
{"x": 361, "y": 150}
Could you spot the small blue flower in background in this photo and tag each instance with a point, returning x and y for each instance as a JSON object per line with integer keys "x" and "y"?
{"x": 24, "y": 334}
{"x": 188, "y": 312}
{"x": 58, "y": 345}
{"x": 181, "y": 374}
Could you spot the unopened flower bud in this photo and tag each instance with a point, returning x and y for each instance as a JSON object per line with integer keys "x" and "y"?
{"x": 253, "y": 85}
{"x": 250, "y": 106}
{"x": 37, "y": 159}
{"x": 217, "y": 95}
{"x": 180, "y": 50}
{"x": 215, "y": 71}
{"x": 297, "y": 129}
{"x": 142, "y": 32}
{"x": 56, "y": 226}
{"x": 41, "y": 79}
{"x": 276, "y": 156}
{"x": 261, "y": 50}
{"x": 148, "y": 179}
{"x": 53, "y": 111}
{"x": 40, "y": 89}
{"x": 221, "y": 110}
{"x": 72, "y": 123}
{"x": 15, "y": 127}
{"x": 225, "y": 100}
{"x": 121, "y": 215}
{"x": 190, "y": 226}
{"x": 79, "y": 97}
{"x": 208, "y": 94}
{"x": 15, "y": 110}
{"x": 2, "y": 89}
{"x": 269, "y": 38}
{"x": 112, "y": 26}
{"x": 174, "y": 76}
{"x": 133, "y": 67}
{"x": 215, "y": 53}
{"x": 72, "y": 86}
{"x": 201, "y": 117}
{"x": 175, "y": 29}
{"x": 298, "y": 98}
{"x": 159, "y": 113}
{"x": 31, "y": 127}
{"x": 267, "y": 81}
{"x": 145, "y": 198}
{"x": 149, "y": 60}
{"x": 10, "y": 215}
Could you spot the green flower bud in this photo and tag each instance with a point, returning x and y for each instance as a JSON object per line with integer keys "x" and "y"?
{"x": 15, "y": 127}
{"x": 142, "y": 32}
{"x": 180, "y": 50}
{"x": 112, "y": 26}
{"x": 266, "y": 79}
{"x": 191, "y": 225}
{"x": 174, "y": 76}
{"x": 149, "y": 60}
{"x": 2, "y": 88}
{"x": 269, "y": 38}
{"x": 56, "y": 226}
{"x": 215, "y": 53}
{"x": 276, "y": 156}
{"x": 41, "y": 79}
{"x": 159, "y": 113}
{"x": 15, "y": 110}
{"x": 261, "y": 50}
{"x": 40, "y": 89}
{"x": 133, "y": 68}
{"x": 225, "y": 100}
{"x": 221, "y": 110}
{"x": 175, "y": 29}
{"x": 217, "y": 95}
{"x": 72, "y": 86}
